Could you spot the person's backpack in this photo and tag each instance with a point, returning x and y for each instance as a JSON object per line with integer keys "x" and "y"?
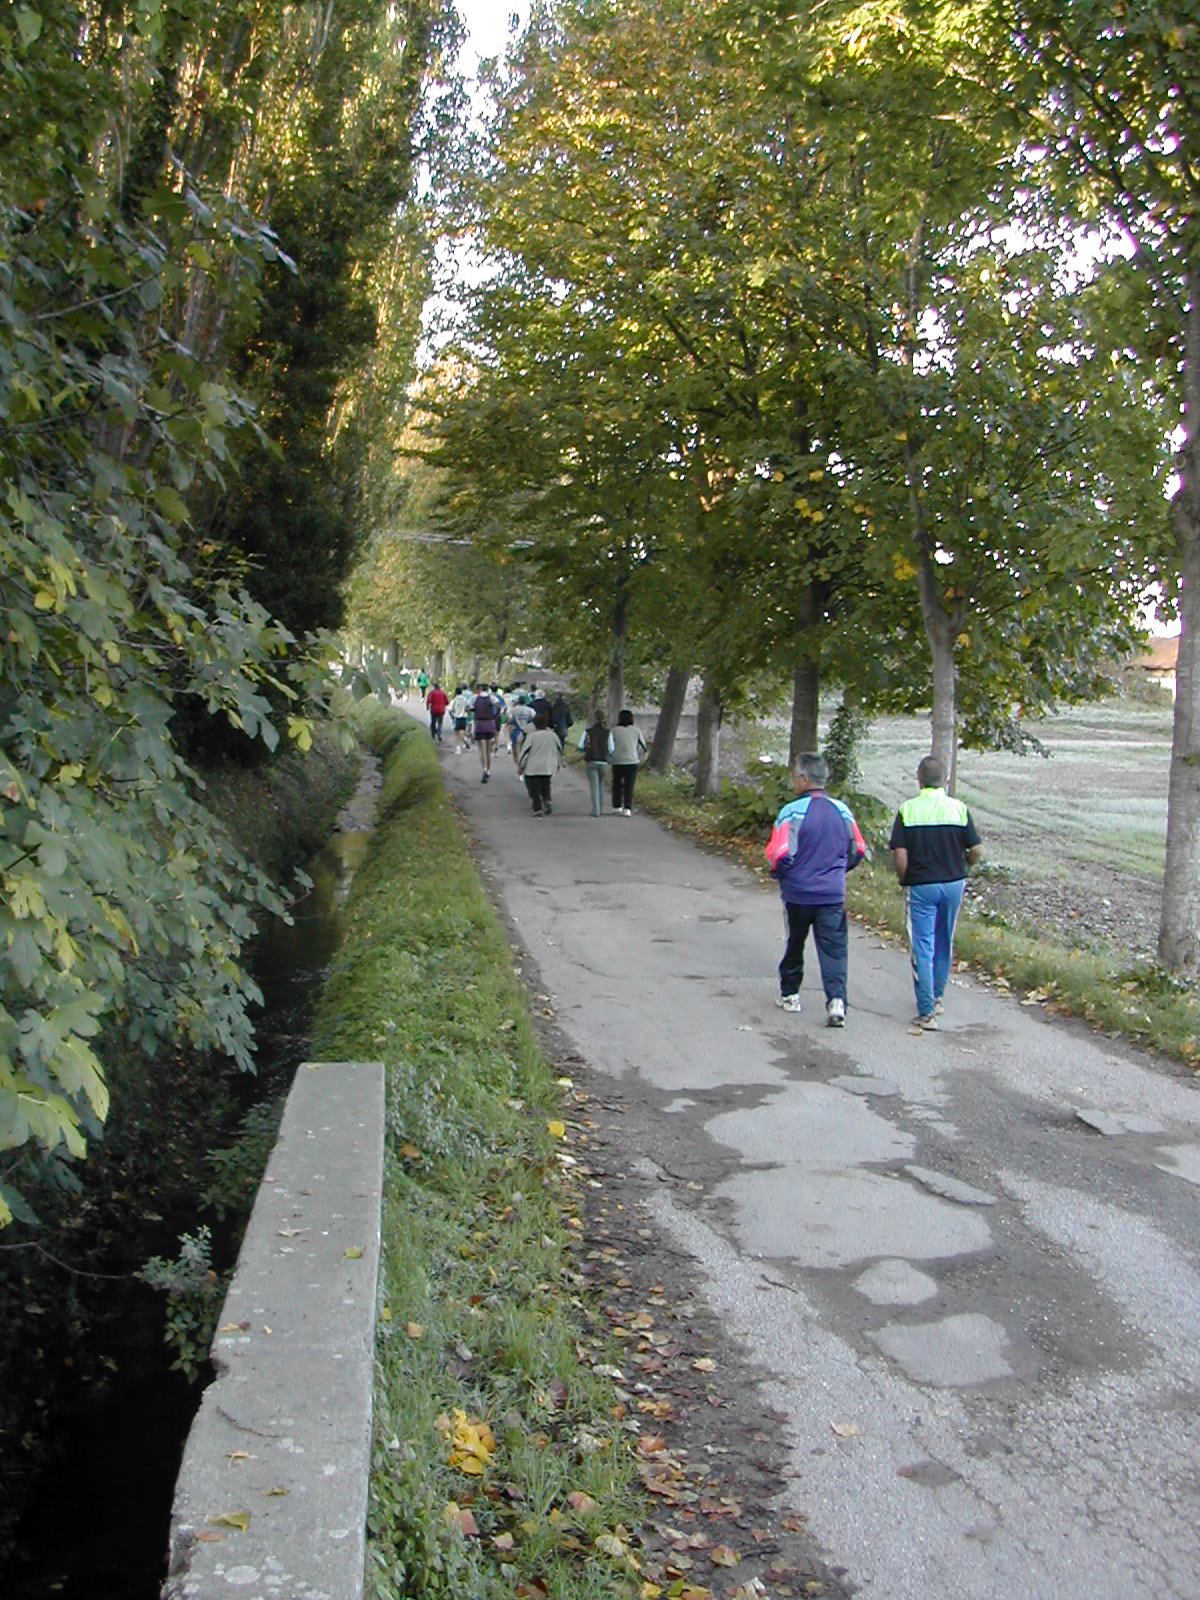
{"x": 485, "y": 715}
{"x": 596, "y": 743}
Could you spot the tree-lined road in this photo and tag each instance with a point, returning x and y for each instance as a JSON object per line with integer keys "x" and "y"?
{"x": 967, "y": 1261}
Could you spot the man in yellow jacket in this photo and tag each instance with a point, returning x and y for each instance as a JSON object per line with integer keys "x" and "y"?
{"x": 933, "y": 843}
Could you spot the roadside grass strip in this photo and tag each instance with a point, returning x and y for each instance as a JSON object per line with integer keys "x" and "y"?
{"x": 1134, "y": 1000}
{"x": 499, "y": 1463}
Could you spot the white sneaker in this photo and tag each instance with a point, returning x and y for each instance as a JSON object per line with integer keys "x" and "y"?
{"x": 835, "y": 1013}
{"x": 788, "y": 1002}
{"x": 626, "y": 812}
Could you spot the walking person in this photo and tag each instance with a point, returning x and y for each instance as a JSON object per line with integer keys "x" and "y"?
{"x": 486, "y": 725}
{"x": 814, "y": 843}
{"x": 458, "y": 711}
{"x": 520, "y": 723}
{"x": 934, "y": 841}
{"x": 596, "y": 744}
{"x": 561, "y": 718}
{"x": 628, "y": 748}
{"x": 436, "y": 702}
{"x": 538, "y": 761}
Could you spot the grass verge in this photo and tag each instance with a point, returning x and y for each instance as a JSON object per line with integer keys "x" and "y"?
{"x": 1134, "y": 1000}
{"x": 500, "y": 1465}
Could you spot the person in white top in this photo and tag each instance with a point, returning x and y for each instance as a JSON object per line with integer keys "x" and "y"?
{"x": 628, "y": 748}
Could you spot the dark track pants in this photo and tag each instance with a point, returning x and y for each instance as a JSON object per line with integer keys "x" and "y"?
{"x": 828, "y": 924}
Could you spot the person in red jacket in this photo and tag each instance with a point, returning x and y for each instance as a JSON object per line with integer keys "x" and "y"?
{"x": 436, "y": 702}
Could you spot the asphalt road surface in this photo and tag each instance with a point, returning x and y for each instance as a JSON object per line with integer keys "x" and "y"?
{"x": 968, "y": 1260}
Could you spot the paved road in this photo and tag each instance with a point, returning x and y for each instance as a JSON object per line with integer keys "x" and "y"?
{"x": 979, "y": 1310}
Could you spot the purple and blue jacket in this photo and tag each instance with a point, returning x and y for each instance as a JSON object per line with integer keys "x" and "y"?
{"x": 815, "y": 842}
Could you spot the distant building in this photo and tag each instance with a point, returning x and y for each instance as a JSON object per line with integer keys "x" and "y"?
{"x": 1158, "y": 664}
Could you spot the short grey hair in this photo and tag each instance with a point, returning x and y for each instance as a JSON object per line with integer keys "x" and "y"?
{"x": 808, "y": 764}
{"x": 931, "y": 774}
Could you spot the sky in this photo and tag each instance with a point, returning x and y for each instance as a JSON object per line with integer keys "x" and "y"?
{"x": 487, "y": 23}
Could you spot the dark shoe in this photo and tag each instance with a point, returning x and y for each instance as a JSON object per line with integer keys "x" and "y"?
{"x": 549, "y": 808}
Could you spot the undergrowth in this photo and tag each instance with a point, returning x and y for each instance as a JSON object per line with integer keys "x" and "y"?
{"x": 1135, "y": 1000}
{"x": 497, "y": 1461}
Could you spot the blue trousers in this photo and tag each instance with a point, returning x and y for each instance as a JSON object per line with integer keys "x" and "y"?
{"x": 828, "y": 924}
{"x": 595, "y": 778}
{"x": 931, "y": 911}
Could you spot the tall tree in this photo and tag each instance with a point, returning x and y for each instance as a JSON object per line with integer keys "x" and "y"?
{"x": 1112, "y": 93}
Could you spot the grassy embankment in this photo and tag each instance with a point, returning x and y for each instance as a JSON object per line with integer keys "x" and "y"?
{"x": 1126, "y": 998}
{"x": 499, "y": 1465}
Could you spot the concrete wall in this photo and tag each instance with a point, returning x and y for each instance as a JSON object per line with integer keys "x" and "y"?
{"x": 271, "y": 1499}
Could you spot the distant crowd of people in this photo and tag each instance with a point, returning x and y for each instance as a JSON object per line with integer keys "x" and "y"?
{"x": 534, "y": 729}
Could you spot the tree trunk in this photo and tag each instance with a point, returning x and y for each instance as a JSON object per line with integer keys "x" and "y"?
{"x": 940, "y": 631}
{"x": 806, "y": 682}
{"x": 708, "y": 742}
{"x": 662, "y": 746}
{"x": 439, "y": 665}
{"x": 1179, "y": 928}
{"x": 806, "y": 686}
{"x": 616, "y": 655}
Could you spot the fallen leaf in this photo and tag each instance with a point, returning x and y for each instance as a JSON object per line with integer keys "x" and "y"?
{"x": 386, "y": 1313}
{"x": 557, "y": 1130}
{"x": 211, "y": 1538}
{"x": 237, "y": 1455}
{"x": 581, "y": 1503}
{"x": 722, "y": 1555}
{"x": 651, "y": 1445}
{"x": 231, "y": 1519}
{"x": 409, "y": 1152}
{"x": 461, "y": 1518}
{"x": 415, "y": 1330}
{"x": 704, "y": 1364}
{"x": 353, "y": 1252}
{"x": 234, "y": 1327}
{"x": 277, "y": 1492}
{"x": 844, "y": 1430}
{"x": 503, "y": 1541}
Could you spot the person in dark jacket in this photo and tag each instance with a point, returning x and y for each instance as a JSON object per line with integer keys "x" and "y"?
{"x": 561, "y": 718}
{"x": 813, "y": 845}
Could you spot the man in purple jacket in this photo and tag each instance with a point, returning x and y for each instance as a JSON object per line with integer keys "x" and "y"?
{"x": 814, "y": 843}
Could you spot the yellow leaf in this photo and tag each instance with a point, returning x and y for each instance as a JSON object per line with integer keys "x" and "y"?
{"x": 844, "y": 1430}
{"x": 386, "y": 1313}
{"x": 557, "y": 1130}
{"x": 237, "y": 1455}
{"x": 415, "y": 1330}
{"x": 409, "y": 1152}
{"x": 276, "y": 1492}
{"x": 902, "y": 568}
{"x": 232, "y": 1519}
{"x": 43, "y": 600}
{"x": 353, "y": 1253}
{"x": 102, "y": 695}
{"x": 651, "y": 1591}
{"x": 964, "y": 641}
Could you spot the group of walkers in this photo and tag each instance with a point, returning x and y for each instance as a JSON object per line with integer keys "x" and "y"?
{"x": 816, "y": 841}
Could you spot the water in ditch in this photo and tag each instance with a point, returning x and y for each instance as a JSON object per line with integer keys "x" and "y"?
{"x": 98, "y": 1524}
